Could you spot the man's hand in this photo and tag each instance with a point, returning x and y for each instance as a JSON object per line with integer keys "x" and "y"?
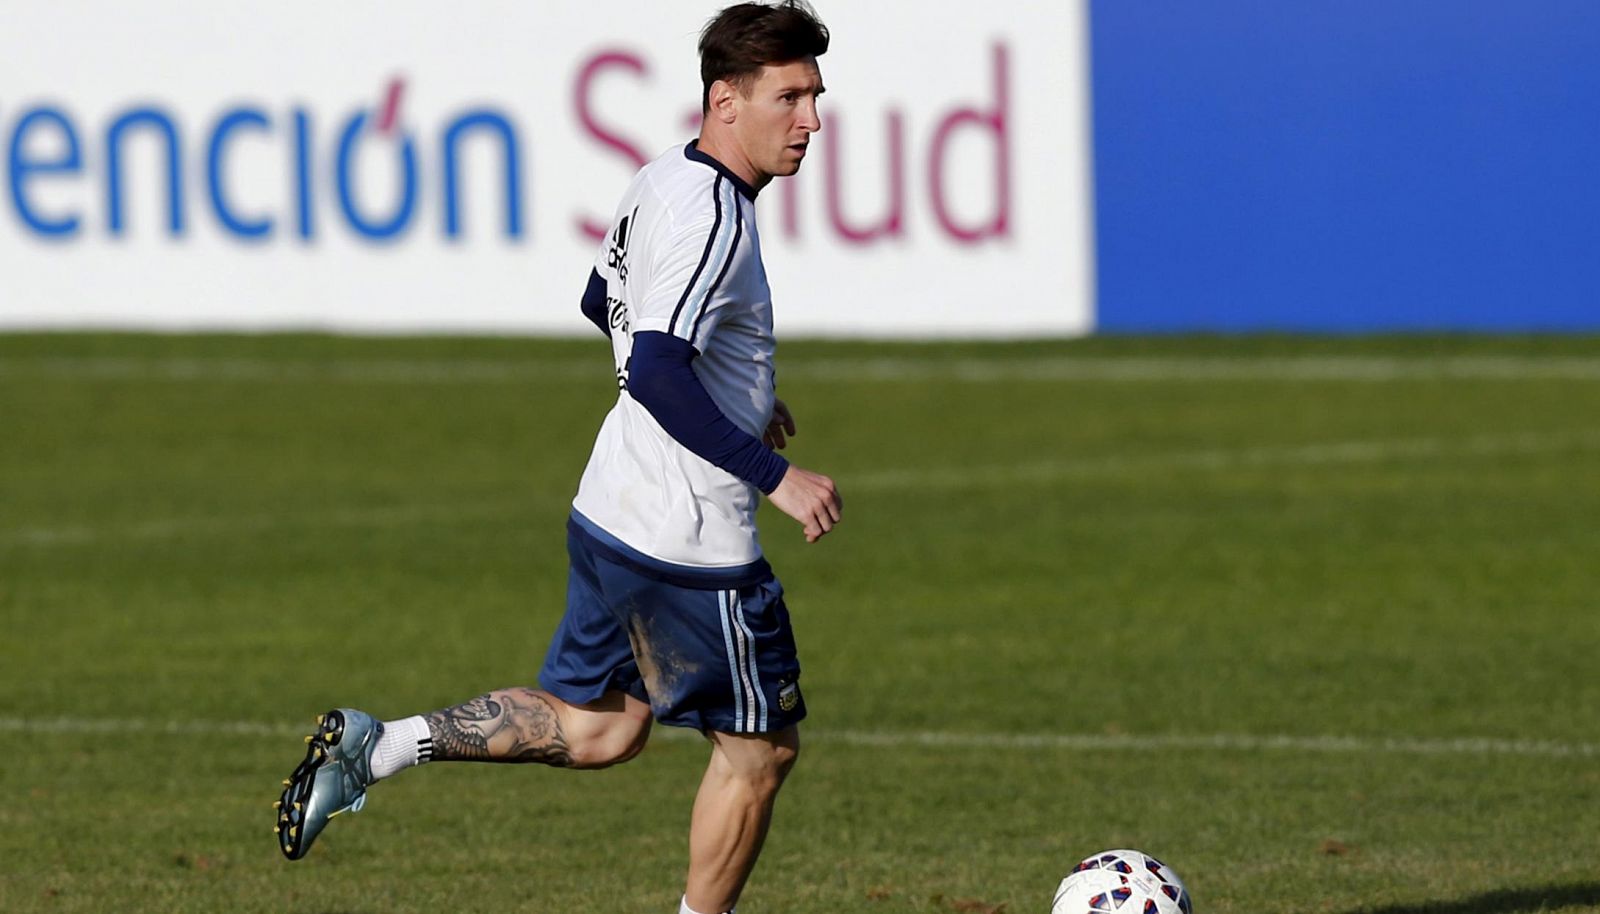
{"x": 782, "y": 422}
{"x": 810, "y": 498}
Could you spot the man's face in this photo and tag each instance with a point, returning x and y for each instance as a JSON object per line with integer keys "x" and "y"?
{"x": 776, "y": 119}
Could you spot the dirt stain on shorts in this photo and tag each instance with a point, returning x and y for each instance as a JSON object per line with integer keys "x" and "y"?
{"x": 662, "y": 668}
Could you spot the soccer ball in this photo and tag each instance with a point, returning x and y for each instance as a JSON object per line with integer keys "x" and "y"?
{"x": 1121, "y": 882}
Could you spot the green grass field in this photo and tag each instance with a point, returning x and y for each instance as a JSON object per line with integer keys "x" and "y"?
{"x": 1312, "y": 620}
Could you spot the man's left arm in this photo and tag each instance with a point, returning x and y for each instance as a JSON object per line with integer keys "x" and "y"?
{"x": 663, "y": 381}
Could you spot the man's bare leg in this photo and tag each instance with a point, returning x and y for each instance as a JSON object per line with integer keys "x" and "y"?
{"x": 530, "y": 725}
{"x": 732, "y": 811}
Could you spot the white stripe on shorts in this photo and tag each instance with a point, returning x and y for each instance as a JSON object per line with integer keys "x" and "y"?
{"x": 733, "y": 662}
{"x": 741, "y": 637}
{"x": 750, "y": 651}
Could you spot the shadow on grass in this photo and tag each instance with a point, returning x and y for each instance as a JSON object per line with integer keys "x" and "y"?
{"x": 1505, "y": 901}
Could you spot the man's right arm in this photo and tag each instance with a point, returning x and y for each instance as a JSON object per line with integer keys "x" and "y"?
{"x": 594, "y": 302}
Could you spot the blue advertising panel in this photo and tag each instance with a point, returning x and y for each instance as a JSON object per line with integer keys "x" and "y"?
{"x": 1347, "y": 165}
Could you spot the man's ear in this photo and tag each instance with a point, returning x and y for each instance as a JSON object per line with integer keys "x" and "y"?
{"x": 723, "y": 97}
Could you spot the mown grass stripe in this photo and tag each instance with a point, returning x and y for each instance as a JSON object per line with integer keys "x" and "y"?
{"x": 948, "y": 478}
{"x": 1003, "y": 367}
{"x": 1358, "y": 451}
{"x": 889, "y": 739}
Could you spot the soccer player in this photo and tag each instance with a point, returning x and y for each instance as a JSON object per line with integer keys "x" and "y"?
{"x": 672, "y": 613}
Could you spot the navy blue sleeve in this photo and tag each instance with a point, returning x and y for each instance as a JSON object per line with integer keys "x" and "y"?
{"x": 594, "y": 302}
{"x": 662, "y": 379}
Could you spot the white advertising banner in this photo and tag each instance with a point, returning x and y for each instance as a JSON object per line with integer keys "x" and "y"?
{"x": 419, "y": 167}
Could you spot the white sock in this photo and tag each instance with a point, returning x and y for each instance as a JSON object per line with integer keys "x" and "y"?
{"x": 404, "y": 743}
{"x": 683, "y": 907}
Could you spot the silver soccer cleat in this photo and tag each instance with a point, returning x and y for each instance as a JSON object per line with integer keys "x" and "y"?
{"x": 333, "y": 778}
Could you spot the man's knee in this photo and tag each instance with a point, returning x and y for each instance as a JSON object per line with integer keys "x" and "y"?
{"x": 607, "y": 732}
{"x": 761, "y": 761}
{"x": 610, "y": 748}
{"x": 786, "y": 753}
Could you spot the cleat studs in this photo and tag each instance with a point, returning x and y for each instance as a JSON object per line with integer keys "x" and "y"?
{"x": 286, "y": 782}
{"x": 298, "y": 807}
{"x": 293, "y": 831}
{"x": 328, "y": 736}
{"x": 308, "y": 739}
{"x": 278, "y": 804}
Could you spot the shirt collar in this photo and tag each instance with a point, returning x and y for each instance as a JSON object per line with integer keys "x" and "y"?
{"x": 693, "y": 153}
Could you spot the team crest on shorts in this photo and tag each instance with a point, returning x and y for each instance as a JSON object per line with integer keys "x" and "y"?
{"x": 789, "y": 696}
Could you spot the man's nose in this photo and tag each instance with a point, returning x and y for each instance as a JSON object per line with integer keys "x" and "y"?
{"x": 810, "y": 121}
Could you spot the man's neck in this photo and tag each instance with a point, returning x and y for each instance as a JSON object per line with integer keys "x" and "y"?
{"x": 722, "y": 147}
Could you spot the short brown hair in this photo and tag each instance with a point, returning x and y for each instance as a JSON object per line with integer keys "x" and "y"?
{"x": 744, "y": 38}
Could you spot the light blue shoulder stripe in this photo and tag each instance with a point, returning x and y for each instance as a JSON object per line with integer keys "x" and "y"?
{"x": 728, "y": 231}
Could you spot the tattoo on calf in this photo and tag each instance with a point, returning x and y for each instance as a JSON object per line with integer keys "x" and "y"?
{"x": 509, "y": 725}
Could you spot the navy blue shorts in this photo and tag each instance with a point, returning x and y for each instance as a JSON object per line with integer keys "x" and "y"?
{"x": 711, "y": 659}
